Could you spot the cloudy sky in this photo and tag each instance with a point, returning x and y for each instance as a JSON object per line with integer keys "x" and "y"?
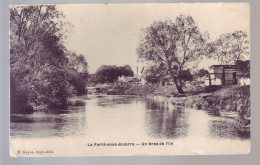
{"x": 108, "y": 34}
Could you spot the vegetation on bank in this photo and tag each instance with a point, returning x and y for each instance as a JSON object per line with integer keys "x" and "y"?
{"x": 43, "y": 73}
{"x": 223, "y": 99}
{"x": 110, "y": 74}
{"x": 174, "y": 47}
{"x": 227, "y": 98}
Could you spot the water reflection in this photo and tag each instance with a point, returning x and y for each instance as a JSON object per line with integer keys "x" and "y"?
{"x": 126, "y": 116}
{"x": 112, "y": 101}
{"x": 164, "y": 121}
{"x": 69, "y": 122}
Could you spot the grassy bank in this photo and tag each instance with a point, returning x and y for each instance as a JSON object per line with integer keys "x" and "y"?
{"x": 225, "y": 100}
{"x": 228, "y": 99}
{"x": 140, "y": 90}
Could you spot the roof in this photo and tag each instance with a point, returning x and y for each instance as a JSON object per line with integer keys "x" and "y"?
{"x": 224, "y": 66}
{"x": 126, "y": 78}
{"x": 129, "y": 78}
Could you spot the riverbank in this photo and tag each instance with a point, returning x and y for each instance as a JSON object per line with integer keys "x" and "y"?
{"x": 227, "y": 98}
{"x": 139, "y": 90}
{"x": 115, "y": 119}
{"x": 229, "y": 101}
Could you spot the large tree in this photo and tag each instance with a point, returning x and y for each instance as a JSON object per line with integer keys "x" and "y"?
{"x": 230, "y": 47}
{"x": 173, "y": 46}
{"x": 77, "y": 72}
{"x": 110, "y": 73}
{"x": 39, "y": 62}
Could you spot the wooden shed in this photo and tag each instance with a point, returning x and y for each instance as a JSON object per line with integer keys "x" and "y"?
{"x": 225, "y": 75}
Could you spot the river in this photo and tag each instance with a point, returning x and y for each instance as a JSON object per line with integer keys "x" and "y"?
{"x": 123, "y": 120}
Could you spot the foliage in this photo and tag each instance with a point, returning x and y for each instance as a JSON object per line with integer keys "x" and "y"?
{"x": 230, "y": 47}
{"x": 245, "y": 65}
{"x": 77, "y": 73}
{"x": 173, "y": 46}
{"x": 18, "y": 99}
{"x": 132, "y": 89}
{"x": 186, "y": 75}
{"x": 202, "y": 72}
{"x": 42, "y": 71}
{"x": 109, "y": 74}
{"x": 153, "y": 74}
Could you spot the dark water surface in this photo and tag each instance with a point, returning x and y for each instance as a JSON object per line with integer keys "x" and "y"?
{"x": 121, "y": 116}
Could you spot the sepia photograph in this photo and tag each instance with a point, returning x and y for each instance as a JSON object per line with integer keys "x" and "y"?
{"x": 141, "y": 79}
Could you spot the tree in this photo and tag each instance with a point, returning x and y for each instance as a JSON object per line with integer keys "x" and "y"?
{"x": 230, "y": 47}
{"x": 202, "y": 72}
{"x": 108, "y": 73}
{"x": 245, "y": 65}
{"x": 39, "y": 62}
{"x": 153, "y": 74}
{"x": 186, "y": 75}
{"x": 173, "y": 46}
{"x": 77, "y": 73}
{"x": 126, "y": 71}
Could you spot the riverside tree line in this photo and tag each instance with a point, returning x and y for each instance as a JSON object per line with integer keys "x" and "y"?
{"x": 175, "y": 47}
{"x": 43, "y": 73}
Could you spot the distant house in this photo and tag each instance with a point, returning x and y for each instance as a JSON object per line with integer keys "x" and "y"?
{"x": 228, "y": 74}
{"x": 125, "y": 79}
{"x": 156, "y": 78}
{"x": 92, "y": 90}
{"x": 166, "y": 80}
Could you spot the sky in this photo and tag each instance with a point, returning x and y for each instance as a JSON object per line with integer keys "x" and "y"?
{"x": 108, "y": 34}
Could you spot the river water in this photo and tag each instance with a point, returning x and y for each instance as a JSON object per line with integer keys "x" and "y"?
{"x": 125, "y": 120}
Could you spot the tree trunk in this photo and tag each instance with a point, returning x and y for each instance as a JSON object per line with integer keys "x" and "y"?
{"x": 180, "y": 90}
{"x": 178, "y": 86}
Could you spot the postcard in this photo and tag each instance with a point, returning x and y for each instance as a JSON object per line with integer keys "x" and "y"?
{"x": 129, "y": 79}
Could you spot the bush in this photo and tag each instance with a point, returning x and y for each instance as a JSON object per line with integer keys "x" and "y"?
{"x": 18, "y": 99}
{"x": 109, "y": 74}
{"x": 43, "y": 73}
